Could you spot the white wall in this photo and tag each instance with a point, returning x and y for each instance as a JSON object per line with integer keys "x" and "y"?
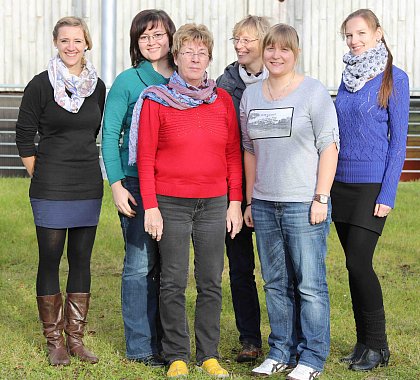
{"x": 26, "y": 27}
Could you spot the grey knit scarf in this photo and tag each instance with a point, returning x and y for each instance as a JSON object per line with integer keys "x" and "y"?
{"x": 360, "y": 68}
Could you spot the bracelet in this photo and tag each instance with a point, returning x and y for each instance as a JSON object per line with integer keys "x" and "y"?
{"x": 249, "y": 204}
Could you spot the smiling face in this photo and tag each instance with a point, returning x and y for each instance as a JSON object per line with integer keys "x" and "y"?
{"x": 154, "y": 50}
{"x": 248, "y": 50}
{"x": 359, "y": 36}
{"x": 279, "y": 60}
{"x": 281, "y": 50}
{"x": 192, "y": 61}
{"x": 71, "y": 45}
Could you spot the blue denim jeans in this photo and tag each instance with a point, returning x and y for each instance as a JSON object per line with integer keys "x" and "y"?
{"x": 205, "y": 221}
{"x": 140, "y": 282}
{"x": 290, "y": 247}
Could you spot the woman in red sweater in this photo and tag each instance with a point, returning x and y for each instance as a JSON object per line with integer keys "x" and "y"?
{"x": 189, "y": 159}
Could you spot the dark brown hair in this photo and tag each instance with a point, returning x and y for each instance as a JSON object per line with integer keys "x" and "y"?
{"x": 373, "y": 23}
{"x": 139, "y": 25}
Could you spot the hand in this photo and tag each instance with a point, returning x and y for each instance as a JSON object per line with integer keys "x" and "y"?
{"x": 248, "y": 217}
{"x": 29, "y": 163}
{"x": 234, "y": 218}
{"x": 318, "y": 212}
{"x": 121, "y": 196}
{"x": 381, "y": 210}
{"x": 153, "y": 223}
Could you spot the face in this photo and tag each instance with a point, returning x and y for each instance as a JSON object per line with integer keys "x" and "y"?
{"x": 359, "y": 37}
{"x": 279, "y": 60}
{"x": 192, "y": 61}
{"x": 248, "y": 49}
{"x": 71, "y": 45}
{"x": 154, "y": 49}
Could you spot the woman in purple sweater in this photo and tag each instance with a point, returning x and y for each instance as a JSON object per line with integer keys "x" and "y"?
{"x": 372, "y": 107}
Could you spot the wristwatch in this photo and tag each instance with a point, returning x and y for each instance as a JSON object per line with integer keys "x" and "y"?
{"x": 321, "y": 198}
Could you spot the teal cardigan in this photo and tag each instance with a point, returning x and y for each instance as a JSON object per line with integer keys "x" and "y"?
{"x": 119, "y": 106}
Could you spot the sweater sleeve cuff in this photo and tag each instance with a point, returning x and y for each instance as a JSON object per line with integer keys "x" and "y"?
{"x": 387, "y": 194}
{"x": 235, "y": 195}
{"x": 149, "y": 201}
{"x": 115, "y": 177}
{"x": 114, "y": 171}
{"x": 26, "y": 151}
{"x": 386, "y": 199}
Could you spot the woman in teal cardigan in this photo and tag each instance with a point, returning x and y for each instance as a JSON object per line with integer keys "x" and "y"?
{"x": 150, "y": 43}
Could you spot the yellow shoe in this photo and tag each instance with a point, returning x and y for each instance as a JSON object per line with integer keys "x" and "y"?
{"x": 213, "y": 368}
{"x": 178, "y": 368}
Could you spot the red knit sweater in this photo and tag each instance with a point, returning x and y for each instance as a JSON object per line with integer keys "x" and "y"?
{"x": 193, "y": 153}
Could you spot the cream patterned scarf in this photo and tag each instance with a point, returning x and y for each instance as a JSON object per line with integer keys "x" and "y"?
{"x": 80, "y": 86}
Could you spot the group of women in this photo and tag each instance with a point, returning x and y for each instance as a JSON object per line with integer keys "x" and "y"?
{"x": 189, "y": 157}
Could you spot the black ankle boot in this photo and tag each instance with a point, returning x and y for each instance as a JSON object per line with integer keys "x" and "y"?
{"x": 355, "y": 355}
{"x": 371, "y": 359}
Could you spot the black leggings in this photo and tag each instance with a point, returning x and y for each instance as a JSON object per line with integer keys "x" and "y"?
{"x": 359, "y": 245}
{"x": 79, "y": 251}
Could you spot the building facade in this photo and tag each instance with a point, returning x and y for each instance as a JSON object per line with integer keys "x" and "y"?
{"x": 26, "y": 32}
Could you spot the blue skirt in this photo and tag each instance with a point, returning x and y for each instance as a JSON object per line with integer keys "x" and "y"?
{"x": 66, "y": 214}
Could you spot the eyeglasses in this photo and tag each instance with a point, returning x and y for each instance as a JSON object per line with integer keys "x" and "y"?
{"x": 243, "y": 41}
{"x": 145, "y": 38}
{"x": 189, "y": 54}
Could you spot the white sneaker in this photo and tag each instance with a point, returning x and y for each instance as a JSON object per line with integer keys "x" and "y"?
{"x": 303, "y": 372}
{"x": 269, "y": 367}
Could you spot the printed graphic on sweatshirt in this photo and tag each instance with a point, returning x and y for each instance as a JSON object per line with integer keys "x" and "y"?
{"x": 270, "y": 123}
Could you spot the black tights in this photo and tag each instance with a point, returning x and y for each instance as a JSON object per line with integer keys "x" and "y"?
{"x": 359, "y": 245}
{"x": 79, "y": 251}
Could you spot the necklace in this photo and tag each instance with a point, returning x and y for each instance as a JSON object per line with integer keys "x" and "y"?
{"x": 282, "y": 89}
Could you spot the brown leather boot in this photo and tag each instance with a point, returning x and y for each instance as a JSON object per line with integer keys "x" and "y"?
{"x": 51, "y": 315}
{"x": 75, "y": 313}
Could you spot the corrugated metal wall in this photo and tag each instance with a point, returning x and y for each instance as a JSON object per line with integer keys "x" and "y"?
{"x": 26, "y": 26}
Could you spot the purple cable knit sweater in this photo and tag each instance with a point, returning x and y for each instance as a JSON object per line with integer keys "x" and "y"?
{"x": 373, "y": 139}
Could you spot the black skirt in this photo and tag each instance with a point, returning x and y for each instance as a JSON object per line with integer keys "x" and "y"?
{"x": 354, "y": 203}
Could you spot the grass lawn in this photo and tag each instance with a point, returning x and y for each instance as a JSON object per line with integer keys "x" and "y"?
{"x": 22, "y": 346}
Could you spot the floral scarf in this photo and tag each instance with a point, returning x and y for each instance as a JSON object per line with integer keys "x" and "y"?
{"x": 80, "y": 86}
{"x": 360, "y": 68}
{"x": 177, "y": 94}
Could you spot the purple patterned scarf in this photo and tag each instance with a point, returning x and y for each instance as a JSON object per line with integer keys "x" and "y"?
{"x": 177, "y": 94}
